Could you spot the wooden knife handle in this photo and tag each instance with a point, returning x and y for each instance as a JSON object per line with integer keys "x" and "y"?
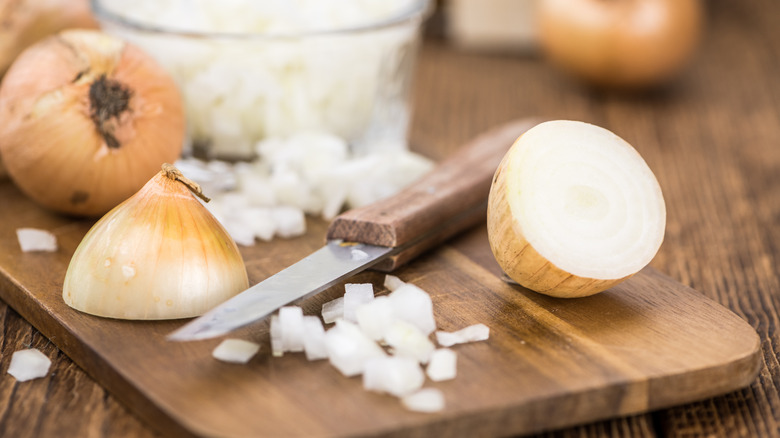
{"x": 442, "y": 203}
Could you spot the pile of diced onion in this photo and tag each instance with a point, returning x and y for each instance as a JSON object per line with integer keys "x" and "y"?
{"x": 305, "y": 174}
{"x": 386, "y": 339}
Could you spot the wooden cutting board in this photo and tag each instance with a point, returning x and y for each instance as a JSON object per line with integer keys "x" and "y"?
{"x": 646, "y": 344}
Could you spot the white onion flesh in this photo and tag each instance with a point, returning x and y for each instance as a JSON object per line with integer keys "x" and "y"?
{"x": 349, "y": 348}
{"x": 314, "y": 339}
{"x": 442, "y": 365}
{"x": 355, "y": 295}
{"x": 407, "y": 340}
{"x": 360, "y": 348}
{"x": 427, "y": 400}
{"x": 277, "y": 344}
{"x": 292, "y": 329}
{"x": 413, "y": 305}
{"x": 375, "y": 317}
{"x": 397, "y": 376}
{"x": 580, "y": 205}
{"x": 333, "y": 310}
{"x": 33, "y": 239}
{"x": 244, "y": 89}
{"x": 235, "y": 351}
{"x": 472, "y": 333}
{"x": 392, "y": 282}
{"x": 270, "y": 197}
{"x": 29, "y": 364}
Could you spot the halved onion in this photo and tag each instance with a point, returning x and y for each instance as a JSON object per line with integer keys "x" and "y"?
{"x": 574, "y": 210}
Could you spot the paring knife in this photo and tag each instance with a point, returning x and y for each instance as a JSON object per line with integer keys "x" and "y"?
{"x": 383, "y": 235}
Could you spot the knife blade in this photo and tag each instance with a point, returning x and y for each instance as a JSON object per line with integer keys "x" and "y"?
{"x": 383, "y": 235}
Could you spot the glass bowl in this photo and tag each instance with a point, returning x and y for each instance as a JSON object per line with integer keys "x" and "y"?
{"x": 245, "y": 77}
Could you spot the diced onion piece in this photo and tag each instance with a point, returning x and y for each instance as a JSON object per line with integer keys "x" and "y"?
{"x": 349, "y": 348}
{"x": 407, "y": 340}
{"x": 291, "y": 322}
{"x": 290, "y": 221}
{"x": 392, "y": 282}
{"x": 356, "y": 294}
{"x": 29, "y": 364}
{"x": 235, "y": 350}
{"x": 375, "y": 317}
{"x": 472, "y": 333}
{"x": 333, "y": 310}
{"x": 425, "y": 400}
{"x": 277, "y": 346}
{"x": 442, "y": 365}
{"x": 414, "y": 305}
{"x": 394, "y": 375}
{"x": 580, "y": 205}
{"x": 314, "y": 339}
{"x": 33, "y": 239}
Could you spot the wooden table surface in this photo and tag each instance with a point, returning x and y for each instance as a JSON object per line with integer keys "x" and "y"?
{"x": 712, "y": 138}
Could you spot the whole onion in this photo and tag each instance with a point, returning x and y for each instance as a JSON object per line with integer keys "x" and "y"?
{"x": 620, "y": 43}
{"x": 85, "y": 120}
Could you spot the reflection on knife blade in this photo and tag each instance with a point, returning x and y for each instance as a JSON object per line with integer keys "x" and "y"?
{"x": 314, "y": 273}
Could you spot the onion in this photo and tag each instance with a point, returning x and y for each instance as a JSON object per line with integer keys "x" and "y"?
{"x": 413, "y": 305}
{"x": 314, "y": 338}
{"x": 425, "y": 400}
{"x": 333, "y": 310}
{"x": 235, "y": 351}
{"x": 574, "y": 210}
{"x": 158, "y": 255}
{"x": 622, "y": 43}
{"x": 32, "y": 239}
{"x": 27, "y": 21}
{"x": 355, "y": 295}
{"x": 472, "y": 333}
{"x": 349, "y": 348}
{"x": 375, "y": 317}
{"x": 442, "y": 365}
{"x": 29, "y": 364}
{"x": 407, "y": 340}
{"x": 87, "y": 120}
{"x": 397, "y": 376}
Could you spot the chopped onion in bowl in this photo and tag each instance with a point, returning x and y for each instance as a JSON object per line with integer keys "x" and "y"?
{"x": 235, "y": 350}
{"x": 472, "y": 333}
{"x": 29, "y": 364}
{"x": 33, "y": 239}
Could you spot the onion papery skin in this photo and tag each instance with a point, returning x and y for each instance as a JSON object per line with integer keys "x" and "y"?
{"x": 529, "y": 260}
{"x": 25, "y": 22}
{"x": 158, "y": 255}
{"x": 621, "y": 44}
{"x": 54, "y": 150}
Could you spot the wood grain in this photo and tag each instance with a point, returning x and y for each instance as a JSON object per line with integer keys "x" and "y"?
{"x": 711, "y": 138}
